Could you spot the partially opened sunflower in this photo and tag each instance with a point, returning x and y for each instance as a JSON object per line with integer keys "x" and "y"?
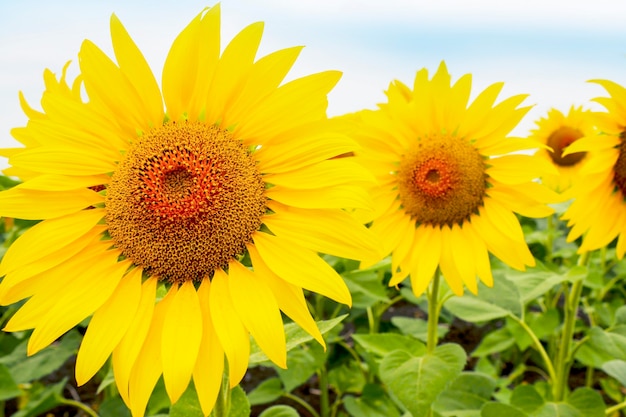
{"x": 598, "y": 212}
{"x": 558, "y": 131}
{"x": 237, "y": 168}
{"x": 450, "y": 180}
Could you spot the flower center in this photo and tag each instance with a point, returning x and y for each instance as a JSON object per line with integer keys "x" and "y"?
{"x": 442, "y": 181}
{"x": 561, "y": 139}
{"x": 619, "y": 170}
{"x": 186, "y": 199}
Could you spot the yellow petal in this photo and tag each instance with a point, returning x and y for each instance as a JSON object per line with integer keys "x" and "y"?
{"x": 428, "y": 242}
{"x": 207, "y": 374}
{"x": 258, "y": 311}
{"x": 138, "y": 72}
{"x": 333, "y": 232}
{"x": 148, "y": 365}
{"x": 26, "y": 204}
{"x": 126, "y": 352}
{"x": 448, "y": 261}
{"x": 341, "y": 196}
{"x": 231, "y": 332}
{"x": 47, "y": 237}
{"x": 301, "y": 267}
{"x": 519, "y": 169}
{"x": 107, "y": 326}
{"x": 86, "y": 293}
{"x": 53, "y": 182}
{"x": 182, "y": 333}
{"x": 290, "y": 298}
{"x": 62, "y": 161}
{"x": 231, "y": 71}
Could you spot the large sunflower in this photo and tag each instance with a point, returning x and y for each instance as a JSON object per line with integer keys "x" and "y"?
{"x": 558, "y": 131}
{"x": 599, "y": 208}
{"x": 139, "y": 202}
{"x": 447, "y": 185}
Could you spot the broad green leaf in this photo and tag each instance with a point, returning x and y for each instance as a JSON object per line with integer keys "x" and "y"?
{"x": 366, "y": 288}
{"x": 601, "y": 347}
{"x": 280, "y": 411}
{"x": 348, "y": 377}
{"x": 295, "y": 336}
{"x": 373, "y": 402}
{"x": 534, "y": 282}
{"x": 588, "y": 402}
{"x": 501, "y": 410}
{"x": 43, "y": 400}
{"x": 28, "y": 368}
{"x": 301, "y": 365}
{"x": 187, "y": 405}
{"x": 495, "y": 341}
{"x": 418, "y": 328}
{"x": 620, "y": 316}
{"x": 526, "y": 398}
{"x": 267, "y": 391}
{"x": 490, "y": 303}
{"x": 617, "y": 369}
{"x": 8, "y": 386}
{"x": 239, "y": 404}
{"x": 381, "y": 344}
{"x": 159, "y": 401}
{"x": 417, "y": 381}
{"x": 466, "y": 395}
{"x": 113, "y": 407}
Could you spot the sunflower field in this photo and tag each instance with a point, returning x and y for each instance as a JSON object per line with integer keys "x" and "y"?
{"x": 213, "y": 244}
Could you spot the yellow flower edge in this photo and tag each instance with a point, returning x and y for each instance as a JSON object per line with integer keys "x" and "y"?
{"x": 138, "y": 199}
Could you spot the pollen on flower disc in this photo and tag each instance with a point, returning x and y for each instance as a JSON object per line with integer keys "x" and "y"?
{"x": 184, "y": 200}
{"x": 619, "y": 169}
{"x": 561, "y": 139}
{"x": 442, "y": 180}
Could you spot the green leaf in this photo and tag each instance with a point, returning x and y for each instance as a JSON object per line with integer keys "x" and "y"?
{"x": 113, "y": 407}
{"x": 43, "y": 400}
{"x": 29, "y": 368}
{"x": 526, "y": 398}
{"x": 501, "y": 410}
{"x": 295, "y": 336}
{"x": 239, "y": 404}
{"x": 347, "y": 378}
{"x": 8, "y": 386}
{"x": 602, "y": 347}
{"x": 381, "y": 344}
{"x": 280, "y": 411}
{"x": 418, "y": 328}
{"x": 466, "y": 395}
{"x": 366, "y": 288}
{"x": 187, "y": 405}
{"x": 417, "y": 381}
{"x": 495, "y": 341}
{"x": 534, "y": 282}
{"x": 588, "y": 402}
{"x": 617, "y": 369}
{"x": 267, "y": 391}
{"x": 373, "y": 402}
{"x": 301, "y": 365}
{"x": 490, "y": 303}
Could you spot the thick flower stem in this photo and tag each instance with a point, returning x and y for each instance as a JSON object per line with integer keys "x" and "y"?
{"x": 433, "y": 313}
{"x": 222, "y": 404}
{"x": 563, "y": 356}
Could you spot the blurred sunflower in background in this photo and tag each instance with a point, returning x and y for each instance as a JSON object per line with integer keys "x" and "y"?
{"x": 448, "y": 185}
{"x": 182, "y": 230}
{"x": 558, "y": 131}
{"x": 598, "y": 212}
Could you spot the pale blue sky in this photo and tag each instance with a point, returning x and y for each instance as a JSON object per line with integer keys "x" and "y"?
{"x": 544, "y": 48}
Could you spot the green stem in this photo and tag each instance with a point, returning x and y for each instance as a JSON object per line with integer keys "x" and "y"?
{"x": 537, "y": 343}
{"x": 371, "y": 321}
{"x": 433, "y": 313}
{"x": 324, "y": 395}
{"x": 222, "y": 403}
{"x": 302, "y": 403}
{"x": 615, "y": 408}
{"x": 563, "y": 356}
{"x": 550, "y": 232}
{"x": 80, "y": 406}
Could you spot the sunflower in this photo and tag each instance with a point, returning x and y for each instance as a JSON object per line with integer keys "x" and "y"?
{"x": 557, "y": 131}
{"x": 182, "y": 231}
{"x": 447, "y": 185}
{"x": 599, "y": 209}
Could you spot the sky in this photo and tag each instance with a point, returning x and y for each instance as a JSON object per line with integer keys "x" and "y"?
{"x": 548, "y": 49}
